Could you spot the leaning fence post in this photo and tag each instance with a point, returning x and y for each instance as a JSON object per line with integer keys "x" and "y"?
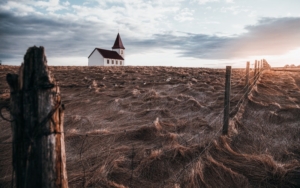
{"x": 39, "y": 158}
{"x": 226, "y": 100}
{"x": 247, "y": 76}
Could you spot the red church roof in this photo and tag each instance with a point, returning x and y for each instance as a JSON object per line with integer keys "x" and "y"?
{"x": 118, "y": 43}
{"x": 108, "y": 54}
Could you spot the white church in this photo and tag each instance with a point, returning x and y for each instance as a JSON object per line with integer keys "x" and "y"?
{"x": 114, "y": 57}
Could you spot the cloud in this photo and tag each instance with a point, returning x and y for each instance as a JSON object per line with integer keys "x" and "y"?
{"x": 66, "y": 3}
{"x": 77, "y": 32}
{"x": 184, "y": 15}
{"x": 229, "y": 1}
{"x": 79, "y": 29}
{"x": 18, "y": 8}
{"x": 60, "y": 36}
{"x": 270, "y": 36}
{"x": 209, "y": 1}
{"x": 234, "y": 9}
{"x": 201, "y": 2}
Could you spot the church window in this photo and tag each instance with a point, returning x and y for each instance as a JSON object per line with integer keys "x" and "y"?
{"x": 121, "y": 51}
{"x": 112, "y": 62}
{"x": 120, "y": 62}
{"x": 116, "y": 62}
{"x": 108, "y": 61}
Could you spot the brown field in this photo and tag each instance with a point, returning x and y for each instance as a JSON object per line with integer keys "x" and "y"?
{"x": 148, "y": 127}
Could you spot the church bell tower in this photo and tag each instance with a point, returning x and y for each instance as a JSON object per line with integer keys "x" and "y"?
{"x": 119, "y": 47}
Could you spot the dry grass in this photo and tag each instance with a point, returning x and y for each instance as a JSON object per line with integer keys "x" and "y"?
{"x": 160, "y": 127}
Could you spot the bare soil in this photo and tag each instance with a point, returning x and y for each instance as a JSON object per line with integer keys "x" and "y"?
{"x": 162, "y": 127}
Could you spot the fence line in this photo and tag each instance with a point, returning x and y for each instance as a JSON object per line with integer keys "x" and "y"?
{"x": 178, "y": 174}
{"x": 249, "y": 87}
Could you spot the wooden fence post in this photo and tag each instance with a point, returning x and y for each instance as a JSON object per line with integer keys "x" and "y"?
{"x": 247, "y": 75}
{"x": 39, "y": 158}
{"x": 255, "y": 68}
{"x": 260, "y": 68}
{"x": 226, "y": 100}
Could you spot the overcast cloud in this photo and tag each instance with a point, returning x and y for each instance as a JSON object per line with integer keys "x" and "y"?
{"x": 71, "y": 30}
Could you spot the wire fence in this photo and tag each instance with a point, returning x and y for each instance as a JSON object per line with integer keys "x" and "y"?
{"x": 241, "y": 95}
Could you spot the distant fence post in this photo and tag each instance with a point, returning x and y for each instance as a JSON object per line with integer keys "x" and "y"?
{"x": 226, "y": 100}
{"x": 247, "y": 75}
{"x": 39, "y": 158}
{"x": 260, "y": 65}
{"x": 255, "y": 68}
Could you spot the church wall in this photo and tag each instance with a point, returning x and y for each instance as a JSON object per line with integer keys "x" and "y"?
{"x": 96, "y": 59}
{"x": 110, "y": 62}
{"x": 115, "y": 62}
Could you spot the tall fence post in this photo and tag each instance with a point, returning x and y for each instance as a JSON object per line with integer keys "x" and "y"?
{"x": 39, "y": 158}
{"x": 226, "y": 100}
{"x": 247, "y": 76}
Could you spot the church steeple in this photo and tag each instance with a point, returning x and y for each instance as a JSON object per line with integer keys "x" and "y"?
{"x": 118, "y": 43}
{"x": 119, "y": 47}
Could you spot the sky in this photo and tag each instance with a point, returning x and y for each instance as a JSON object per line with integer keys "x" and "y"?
{"x": 184, "y": 33}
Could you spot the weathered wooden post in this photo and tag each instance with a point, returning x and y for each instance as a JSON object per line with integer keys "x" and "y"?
{"x": 226, "y": 100}
{"x": 247, "y": 75}
{"x": 39, "y": 158}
